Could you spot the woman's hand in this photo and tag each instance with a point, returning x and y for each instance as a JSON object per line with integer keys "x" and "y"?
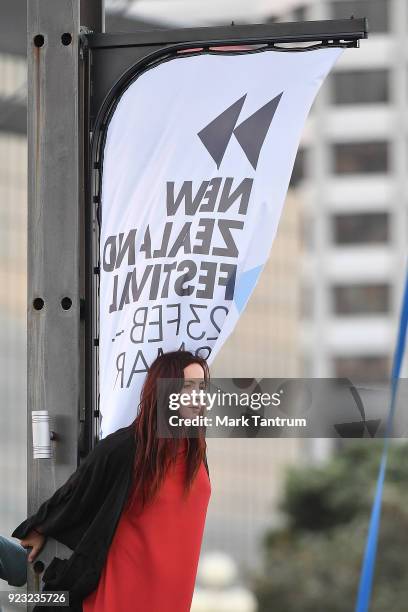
{"x": 36, "y": 540}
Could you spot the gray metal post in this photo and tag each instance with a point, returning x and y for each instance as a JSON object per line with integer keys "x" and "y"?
{"x": 55, "y": 253}
{"x": 93, "y": 15}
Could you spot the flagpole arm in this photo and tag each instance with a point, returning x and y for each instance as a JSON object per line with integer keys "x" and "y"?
{"x": 283, "y": 32}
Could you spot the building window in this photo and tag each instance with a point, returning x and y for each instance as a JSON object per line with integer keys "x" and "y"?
{"x": 360, "y": 87}
{"x": 306, "y": 302}
{"x": 361, "y": 299}
{"x": 360, "y": 157}
{"x": 363, "y": 368}
{"x": 376, "y": 11}
{"x": 362, "y": 228}
{"x": 299, "y": 14}
{"x": 298, "y": 172}
{"x": 307, "y": 227}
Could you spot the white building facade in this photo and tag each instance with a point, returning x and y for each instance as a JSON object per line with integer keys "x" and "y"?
{"x": 355, "y": 161}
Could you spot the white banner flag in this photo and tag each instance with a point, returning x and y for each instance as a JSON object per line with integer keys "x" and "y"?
{"x": 196, "y": 165}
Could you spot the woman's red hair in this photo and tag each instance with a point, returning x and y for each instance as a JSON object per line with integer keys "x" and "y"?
{"x": 154, "y": 454}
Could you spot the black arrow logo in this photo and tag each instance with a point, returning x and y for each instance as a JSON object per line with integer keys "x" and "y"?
{"x": 250, "y": 134}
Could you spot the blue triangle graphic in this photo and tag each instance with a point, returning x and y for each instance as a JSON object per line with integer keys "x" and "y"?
{"x": 245, "y": 285}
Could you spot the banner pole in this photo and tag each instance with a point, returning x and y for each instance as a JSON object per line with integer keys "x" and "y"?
{"x": 367, "y": 571}
{"x": 55, "y": 252}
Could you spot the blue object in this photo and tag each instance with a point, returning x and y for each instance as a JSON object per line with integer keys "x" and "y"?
{"x": 245, "y": 285}
{"x": 13, "y": 562}
{"x": 367, "y": 572}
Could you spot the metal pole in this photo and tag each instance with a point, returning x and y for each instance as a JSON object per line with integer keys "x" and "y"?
{"x": 92, "y": 19}
{"x": 55, "y": 250}
{"x": 93, "y": 15}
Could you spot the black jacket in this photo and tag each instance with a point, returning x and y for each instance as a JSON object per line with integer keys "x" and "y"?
{"x": 83, "y": 514}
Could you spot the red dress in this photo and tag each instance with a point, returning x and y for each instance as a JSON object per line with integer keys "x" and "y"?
{"x": 152, "y": 561}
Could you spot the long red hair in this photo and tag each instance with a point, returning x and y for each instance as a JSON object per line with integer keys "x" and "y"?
{"x": 154, "y": 454}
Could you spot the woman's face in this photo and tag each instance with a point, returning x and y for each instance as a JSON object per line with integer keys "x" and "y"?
{"x": 193, "y": 380}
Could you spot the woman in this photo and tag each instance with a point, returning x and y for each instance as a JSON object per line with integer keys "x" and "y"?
{"x": 136, "y": 533}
